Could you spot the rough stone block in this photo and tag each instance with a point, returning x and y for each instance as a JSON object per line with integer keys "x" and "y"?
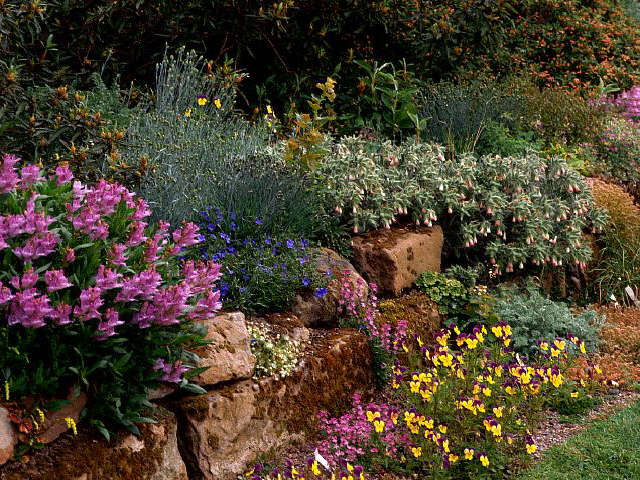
{"x": 393, "y": 259}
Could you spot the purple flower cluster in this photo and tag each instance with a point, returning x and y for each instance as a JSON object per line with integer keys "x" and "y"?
{"x": 129, "y": 284}
{"x": 628, "y": 103}
{"x": 357, "y": 304}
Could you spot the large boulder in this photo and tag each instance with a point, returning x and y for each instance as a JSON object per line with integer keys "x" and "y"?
{"x": 153, "y": 455}
{"x": 393, "y": 259}
{"x": 322, "y": 312}
{"x": 228, "y": 356}
{"x": 224, "y": 431}
{"x": 8, "y": 437}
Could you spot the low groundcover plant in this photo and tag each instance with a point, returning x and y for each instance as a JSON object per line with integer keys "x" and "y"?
{"x": 92, "y": 296}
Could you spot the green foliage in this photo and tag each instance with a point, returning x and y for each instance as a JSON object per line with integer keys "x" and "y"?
{"x": 449, "y": 294}
{"x": 206, "y": 155}
{"x": 570, "y": 406}
{"x": 607, "y": 450}
{"x": 383, "y": 100}
{"x": 468, "y": 276}
{"x": 534, "y": 317}
{"x": 84, "y": 128}
{"x": 514, "y": 210}
{"x": 275, "y": 354}
{"x": 559, "y": 115}
{"x": 499, "y": 139}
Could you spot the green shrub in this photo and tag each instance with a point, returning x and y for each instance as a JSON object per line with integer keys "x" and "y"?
{"x": 617, "y": 264}
{"x": 618, "y": 153}
{"x": 275, "y": 354}
{"x": 456, "y": 115}
{"x": 514, "y": 210}
{"x": 450, "y": 295}
{"x": 499, "y": 139}
{"x": 85, "y": 128}
{"x": 208, "y": 156}
{"x": 533, "y": 317}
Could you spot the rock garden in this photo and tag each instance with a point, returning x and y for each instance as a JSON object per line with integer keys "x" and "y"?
{"x": 316, "y": 240}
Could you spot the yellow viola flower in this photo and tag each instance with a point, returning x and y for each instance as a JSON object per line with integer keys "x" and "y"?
{"x": 417, "y": 451}
{"x": 468, "y": 453}
{"x": 484, "y": 460}
{"x": 583, "y": 349}
{"x": 597, "y": 369}
{"x": 559, "y": 344}
{"x": 217, "y": 102}
{"x": 507, "y": 342}
{"x": 497, "y": 411}
{"x": 187, "y": 112}
{"x": 531, "y": 448}
{"x": 497, "y": 331}
{"x": 453, "y": 458}
{"x": 202, "y": 100}
{"x": 486, "y": 391}
{"x": 442, "y": 428}
{"x": 315, "y": 469}
{"x": 574, "y": 394}
{"x": 379, "y": 426}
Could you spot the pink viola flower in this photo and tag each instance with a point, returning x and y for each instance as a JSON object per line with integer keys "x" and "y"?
{"x": 29, "y": 309}
{"x": 107, "y": 279}
{"x": 117, "y": 256}
{"x": 56, "y": 280}
{"x": 30, "y": 176}
{"x": 107, "y": 327}
{"x": 61, "y": 314}
{"x": 8, "y": 177}
{"x": 63, "y": 174}
{"x": 90, "y": 302}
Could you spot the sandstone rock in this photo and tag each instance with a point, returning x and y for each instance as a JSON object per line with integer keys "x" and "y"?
{"x": 55, "y": 423}
{"x": 152, "y": 456}
{"x": 228, "y": 356}
{"x": 223, "y": 432}
{"x": 393, "y": 259}
{"x": 160, "y": 392}
{"x": 285, "y": 324}
{"x": 321, "y": 312}
{"x": 8, "y": 437}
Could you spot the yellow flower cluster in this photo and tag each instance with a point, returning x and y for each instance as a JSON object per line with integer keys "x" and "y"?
{"x": 475, "y": 382}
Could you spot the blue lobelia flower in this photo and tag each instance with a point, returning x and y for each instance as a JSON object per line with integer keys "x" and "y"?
{"x": 320, "y": 293}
